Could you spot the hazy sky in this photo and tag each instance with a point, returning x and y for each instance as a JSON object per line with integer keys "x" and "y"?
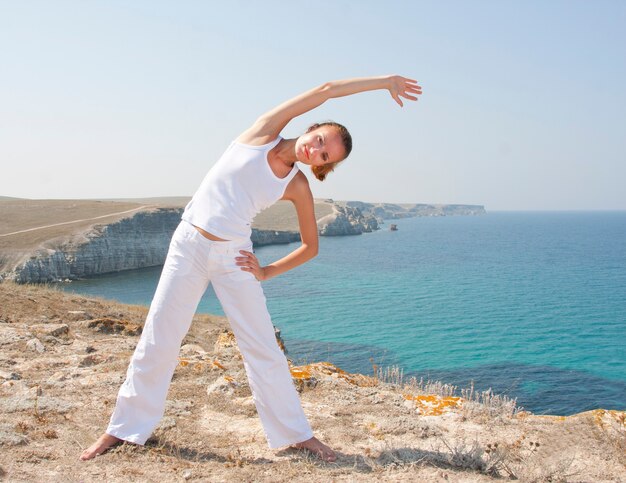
{"x": 524, "y": 103}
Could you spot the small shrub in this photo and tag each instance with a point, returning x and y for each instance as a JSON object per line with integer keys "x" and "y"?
{"x": 50, "y": 434}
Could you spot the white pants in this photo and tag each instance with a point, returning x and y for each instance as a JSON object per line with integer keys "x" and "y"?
{"x": 192, "y": 262}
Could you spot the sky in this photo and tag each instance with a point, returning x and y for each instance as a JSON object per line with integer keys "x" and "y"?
{"x": 523, "y": 105}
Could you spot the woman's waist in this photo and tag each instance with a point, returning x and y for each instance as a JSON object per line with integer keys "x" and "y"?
{"x": 218, "y": 243}
{"x": 208, "y": 235}
{"x": 219, "y": 225}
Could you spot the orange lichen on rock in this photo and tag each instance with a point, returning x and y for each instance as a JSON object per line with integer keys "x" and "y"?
{"x": 199, "y": 364}
{"x": 309, "y": 371}
{"x": 433, "y": 405}
{"x": 226, "y": 339}
{"x": 610, "y": 418}
{"x": 300, "y": 372}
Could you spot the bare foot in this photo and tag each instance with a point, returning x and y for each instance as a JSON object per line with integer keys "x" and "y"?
{"x": 103, "y": 443}
{"x": 318, "y": 448}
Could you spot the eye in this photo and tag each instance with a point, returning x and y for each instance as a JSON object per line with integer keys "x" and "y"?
{"x": 319, "y": 139}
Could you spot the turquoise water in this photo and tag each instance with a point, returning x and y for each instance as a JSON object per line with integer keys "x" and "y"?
{"x": 532, "y": 304}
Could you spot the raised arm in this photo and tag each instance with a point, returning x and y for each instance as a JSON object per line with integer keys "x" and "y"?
{"x": 270, "y": 124}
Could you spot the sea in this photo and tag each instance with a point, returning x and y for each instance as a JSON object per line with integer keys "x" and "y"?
{"x": 531, "y": 305}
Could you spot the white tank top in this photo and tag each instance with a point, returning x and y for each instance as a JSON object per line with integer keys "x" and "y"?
{"x": 235, "y": 190}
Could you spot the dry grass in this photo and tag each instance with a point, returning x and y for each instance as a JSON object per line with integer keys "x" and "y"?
{"x": 16, "y": 215}
{"x": 474, "y": 403}
{"x": 378, "y": 434}
{"x": 486, "y": 403}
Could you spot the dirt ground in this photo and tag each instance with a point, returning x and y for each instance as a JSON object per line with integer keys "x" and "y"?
{"x": 76, "y": 216}
{"x": 63, "y": 357}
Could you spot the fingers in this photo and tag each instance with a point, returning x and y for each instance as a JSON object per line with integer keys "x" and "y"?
{"x": 248, "y": 262}
{"x": 406, "y": 88}
{"x": 413, "y": 88}
{"x": 397, "y": 99}
{"x": 247, "y": 259}
{"x": 412, "y": 85}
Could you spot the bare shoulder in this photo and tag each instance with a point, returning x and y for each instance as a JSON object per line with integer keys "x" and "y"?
{"x": 298, "y": 190}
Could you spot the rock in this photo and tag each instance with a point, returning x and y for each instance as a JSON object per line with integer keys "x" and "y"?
{"x": 41, "y": 404}
{"x": 78, "y": 315}
{"x": 22, "y": 389}
{"x": 223, "y": 384}
{"x": 226, "y": 339}
{"x": 394, "y": 211}
{"x": 11, "y": 335}
{"x": 272, "y": 237}
{"x": 166, "y": 423}
{"x": 10, "y": 376}
{"x": 54, "y": 330}
{"x": 346, "y": 220}
{"x": 138, "y": 241}
{"x": 82, "y": 347}
{"x": 107, "y": 325}
{"x": 246, "y": 401}
{"x": 15, "y": 386}
{"x": 190, "y": 350}
{"x": 90, "y": 360}
{"x": 57, "y": 378}
{"x": 279, "y": 340}
{"x": 142, "y": 240}
{"x": 433, "y": 404}
{"x": 9, "y": 437}
{"x": 177, "y": 407}
{"x": 35, "y": 345}
{"x": 48, "y": 339}
{"x": 309, "y": 375}
{"x": 187, "y": 474}
{"x": 34, "y": 392}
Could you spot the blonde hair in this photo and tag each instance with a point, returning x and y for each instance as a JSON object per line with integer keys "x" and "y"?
{"x": 320, "y": 172}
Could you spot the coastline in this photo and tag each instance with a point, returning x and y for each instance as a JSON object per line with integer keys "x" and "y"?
{"x": 57, "y": 240}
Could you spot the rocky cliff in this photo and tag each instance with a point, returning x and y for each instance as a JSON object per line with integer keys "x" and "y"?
{"x": 346, "y": 220}
{"x": 135, "y": 242}
{"x": 384, "y": 211}
{"x": 142, "y": 240}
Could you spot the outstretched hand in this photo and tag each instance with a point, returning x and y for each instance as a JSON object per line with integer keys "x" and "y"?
{"x": 403, "y": 87}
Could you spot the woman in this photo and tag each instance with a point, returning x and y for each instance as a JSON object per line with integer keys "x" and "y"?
{"x": 212, "y": 244}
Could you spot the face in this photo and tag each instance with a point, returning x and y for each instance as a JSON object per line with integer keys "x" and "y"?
{"x": 320, "y": 146}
